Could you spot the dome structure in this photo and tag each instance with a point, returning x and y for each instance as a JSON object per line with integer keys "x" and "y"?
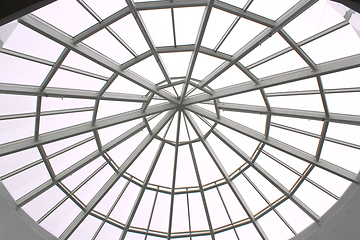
{"x": 189, "y": 119}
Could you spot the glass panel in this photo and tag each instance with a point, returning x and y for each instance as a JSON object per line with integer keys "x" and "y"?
{"x": 159, "y": 26}
{"x": 17, "y": 104}
{"x": 16, "y": 160}
{"x": 87, "y": 229}
{"x": 122, "y": 85}
{"x": 274, "y": 228}
{"x": 197, "y": 213}
{"x": 110, "y": 108}
{"x": 248, "y": 232}
{"x": 16, "y": 129}
{"x": 128, "y": 30}
{"x": 349, "y": 79}
{"x": 105, "y": 8}
{"x": 89, "y": 190}
{"x": 229, "y": 159}
{"x": 61, "y": 218}
{"x": 53, "y": 147}
{"x": 344, "y": 103}
{"x": 298, "y": 123}
{"x": 204, "y": 66}
{"x": 229, "y": 234}
{"x": 160, "y": 219}
{"x": 180, "y": 222}
{"x": 176, "y": 63}
{"x": 307, "y": 84}
{"x": 142, "y": 215}
{"x": 237, "y": 39}
{"x": 185, "y": 173}
{"x": 318, "y": 50}
{"x": 271, "y": 9}
{"x": 294, "y": 216}
{"x": 106, "y": 44}
{"x": 66, "y": 15}
{"x": 187, "y": 23}
{"x": 43, "y": 203}
{"x": 252, "y": 98}
{"x": 253, "y": 121}
{"x": 232, "y": 204}
{"x": 310, "y": 195}
{"x": 109, "y": 232}
{"x": 218, "y": 215}
{"x": 19, "y": 71}
{"x": 302, "y": 102}
{"x": 218, "y": 23}
{"x": 27, "y": 41}
{"x": 349, "y": 133}
{"x": 124, "y": 206}
{"x": 149, "y": 69}
{"x": 65, "y": 160}
{"x": 311, "y": 22}
{"x": 232, "y": 76}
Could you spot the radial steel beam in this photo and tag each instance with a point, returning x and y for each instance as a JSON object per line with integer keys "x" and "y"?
{"x": 78, "y": 165}
{"x": 75, "y": 130}
{"x": 266, "y": 175}
{"x": 50, "y": 63}
{"x": 149, "y": 41}
{"x": 176, "y": 155}
{"x": 288, "y": 16}
{"x": 18, "y": 89}
{"x": 293, "y": 113}
{"x": 199, "y": 37}
{"x": 56, "y": 35}
{"x": 225, "y": 176}
{"x": 115, "y": 177}
{"x": 275, "y": 144}
{"x": 301, "y": 43}
{"x": 313, "y": 92}
{"x": 201, "y": 191}
{"x": 287, "y": 77}
{"x": 142, "y": 191}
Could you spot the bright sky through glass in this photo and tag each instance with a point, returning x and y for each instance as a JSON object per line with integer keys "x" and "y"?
{"x": 180, "y": 119}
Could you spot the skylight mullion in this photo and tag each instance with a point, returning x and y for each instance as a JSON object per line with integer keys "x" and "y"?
{"x": 92, "y": 13}
{"x": 37, "y": 118}
{"x": 142, "y": 191}
{"x": 276, "y": 144}
{"x": 50, "y": 63}
{"x": 323, "y": 97}
{"x": 292, "y": 113}
{"x": 146, "y": 104}
{"x": 322, "y": 140}
{"x": 173, "y": 25}
{"x": 300, "y": 174}
{"x": 227, "y": 212}
{"x": 263, "y": 36}
{"x": 115, "y": 177}
{"x": 301, "y": 43}
{"x": 233, "y": 24}
{"x": 174, "y": 175}
{"x": 201, "y": 191}
{"x": 56, "y": 206}
{"x": 297, "y": 49}
{"x": 313, "y": 92}
{"x": 292, "y": 76}
{"x": 199, "y": 37}
{"x": 266, "y": 175}
{"x": 188, "y": 210}
{"x": 152, "y": 212}
{"x": 54, "y": 34}
{"x": 226, "y": 176}
{"x": 111, "y": 209}
{"x": 46, "y": 162}
{"x": 270, "y": 205}
{"x": 78, "y": 165}
{"x": 79, "y": 129}
{"x": 149, "y": 40}
{"x": 30, "y": 90}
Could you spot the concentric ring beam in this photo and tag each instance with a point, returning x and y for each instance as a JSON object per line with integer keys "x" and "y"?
{"x": 226, "y": 176}
{"x": 287, "y": 77}
{"x": 115, "y": 177}
{"x": 63, "y": 133}
{"x": 293, "y": 113}
{"x": 255, "y": 42}
{"x": 276, "y": 144}
{"x": 78, "y": 165}
{"x": 42, "y": 27}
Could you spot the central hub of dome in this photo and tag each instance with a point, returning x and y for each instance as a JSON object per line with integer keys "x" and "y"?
{"x": 180, "y": 107}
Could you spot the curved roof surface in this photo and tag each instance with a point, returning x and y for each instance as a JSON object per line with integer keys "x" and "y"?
{"x": 191, "y": 119}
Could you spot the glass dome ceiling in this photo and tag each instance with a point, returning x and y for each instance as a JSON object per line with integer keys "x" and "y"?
{"x": 191, "y": 119}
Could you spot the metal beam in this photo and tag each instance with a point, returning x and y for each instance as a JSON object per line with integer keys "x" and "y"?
{"x": 19, "y": 89}
{"x": 266, "y": 175}
{"x": 50, "y": 63}
{"x": 115, "y": 177}
{"x": 288, "y": 16}
{"x": 283, "y": 78}
{"x": 75, "y": 130}
{"x": 58, "y": 36}
{"x": 276, "y": 144}
{"x": 149, "y": 40}
{"x": 292, "y": 113}
{"x": 225, "y": 175}
{"x": 199, "y": 37}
